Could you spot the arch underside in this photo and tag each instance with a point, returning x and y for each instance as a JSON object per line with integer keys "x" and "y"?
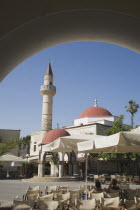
{"x": 64, "y": 27}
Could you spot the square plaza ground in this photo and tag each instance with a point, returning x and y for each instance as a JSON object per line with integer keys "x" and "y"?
{"x": 9, "y": 189}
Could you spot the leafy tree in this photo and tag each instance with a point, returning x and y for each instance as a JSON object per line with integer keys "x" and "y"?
{"x": 132, "y": 108}
{"x": 25, "y": 141}
{"x": 6, "y": 146}
{"x": 117, "y": 127}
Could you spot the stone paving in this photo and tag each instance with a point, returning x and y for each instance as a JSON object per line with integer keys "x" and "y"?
{"x": 9, "y": 189}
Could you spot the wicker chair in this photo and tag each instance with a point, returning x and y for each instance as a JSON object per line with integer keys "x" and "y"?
{"x": 64, "y": 189}
{"x": 74, "y": 195}
{"x": 97, "y": 196}
{"x": 86, "y": 204}
{"x": 82, "y": 188}
{"x": 107, "y": 203}
{"x": 111, "y": 194}
{"x": 57, "y": 195}
{"x": 102, "y": 179}
{"x": 20, "y": 205}
{"x": 33, "y": 197}
{"x": 136, "y": 179}
{"x": 124, "y": 186}
{"x": 132, "y": 193}
{"x": 130, "y": 205}
{"x": 48, "y": 197}
{"x": 64, "y": 199}
{"x": 112, "y": 176}
{"x": 33, "y": 188}
{"x": 33, "y": 191}
{"x": 51, "y": 189}
{"x": 96, "y": 177}
{"x": 137, "y": 202}
{"x": 49, "y": 205}
{"x": 66, "y": 196}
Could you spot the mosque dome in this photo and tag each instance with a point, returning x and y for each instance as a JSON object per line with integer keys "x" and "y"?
{"x": 95, "y": 111}
{"x": 54, "y": 134}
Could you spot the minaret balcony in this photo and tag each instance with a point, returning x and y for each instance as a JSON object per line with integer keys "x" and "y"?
{"x": 48, "y": 89}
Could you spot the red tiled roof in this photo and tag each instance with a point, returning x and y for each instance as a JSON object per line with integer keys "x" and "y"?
{"x": 53, "y": 135}
{"x": 95, "y": 111}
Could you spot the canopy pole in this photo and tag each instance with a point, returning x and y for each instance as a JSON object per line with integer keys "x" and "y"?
{"x": 86, "y": 168}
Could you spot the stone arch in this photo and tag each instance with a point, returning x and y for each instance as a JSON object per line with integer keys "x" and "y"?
{"x": 68, "y": 26}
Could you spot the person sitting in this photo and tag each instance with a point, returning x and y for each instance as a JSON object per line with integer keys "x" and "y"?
{"x": 97, "y": 188}
{"x": 113, "y": 185}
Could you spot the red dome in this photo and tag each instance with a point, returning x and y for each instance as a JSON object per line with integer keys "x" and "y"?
{"x": 53, "y": 135}
{"x": 95, "y": 111}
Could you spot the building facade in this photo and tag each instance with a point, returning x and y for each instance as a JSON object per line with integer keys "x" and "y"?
{"x": 8, "y": 135}
{"x": 93, "y": 121}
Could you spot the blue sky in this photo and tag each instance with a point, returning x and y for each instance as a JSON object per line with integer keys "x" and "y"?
{"x": 82, "y": 71}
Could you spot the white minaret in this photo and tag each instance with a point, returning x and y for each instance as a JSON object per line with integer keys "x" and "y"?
{"x": 48, "y": 91}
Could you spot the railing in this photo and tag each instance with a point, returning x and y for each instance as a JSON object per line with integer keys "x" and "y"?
{"x": 47, "y": 87}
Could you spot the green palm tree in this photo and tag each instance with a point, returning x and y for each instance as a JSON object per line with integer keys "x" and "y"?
{"x": 132, "y": 108}
{"x": 6, "y": 146}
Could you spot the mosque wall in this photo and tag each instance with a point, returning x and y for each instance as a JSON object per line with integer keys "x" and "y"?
{"x": 94, "y": 129}
{"x": 101, "y": 129}
{"x": 82, "y": 130}
{"x": 36, "y": 139}
{"x": 85, "y": 120}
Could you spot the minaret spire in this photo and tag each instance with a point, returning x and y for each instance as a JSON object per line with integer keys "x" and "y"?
{"x": 49, "y": 70}
{"x": 96, "y": 102}
{"x": 48, "y": 91}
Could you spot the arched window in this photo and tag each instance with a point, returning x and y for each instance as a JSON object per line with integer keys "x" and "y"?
{"x": 34, "y": 146}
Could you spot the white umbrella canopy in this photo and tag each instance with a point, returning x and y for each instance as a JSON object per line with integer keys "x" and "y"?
{"x": 11, "y": 158}
{"x": 66, "y": 144}
{"x": 122, "y": 142}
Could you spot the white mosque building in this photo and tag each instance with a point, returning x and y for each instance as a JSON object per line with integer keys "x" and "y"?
{"x": 94, "y": 120}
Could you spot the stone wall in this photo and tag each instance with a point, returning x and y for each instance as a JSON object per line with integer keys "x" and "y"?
{"x": 82, "y": 130}
{"x": 7, "y": 135}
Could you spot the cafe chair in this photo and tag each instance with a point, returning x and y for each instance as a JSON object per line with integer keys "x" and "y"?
{"x": 51, "y": 189}
{"x": 108, "y": 203}
{"x": 130, "y": 205}
{"x": 137, "y": 202}
{"x": 112, "y": 194}
{"x": 74, "y": 195}
{"x": 97, "y": 196}
{"x": 26, "y": 205}
{"x": 64, "y": 188}
{"x": 48, "y": 197}
{"x": 33, "y": 188}
{"x": 49, "y": 205}
{"x": 132, "y": 193}
{"x": 86, "y": 204}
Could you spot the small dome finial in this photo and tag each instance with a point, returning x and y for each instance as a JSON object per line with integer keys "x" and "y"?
{"x": 96, "y": 102}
